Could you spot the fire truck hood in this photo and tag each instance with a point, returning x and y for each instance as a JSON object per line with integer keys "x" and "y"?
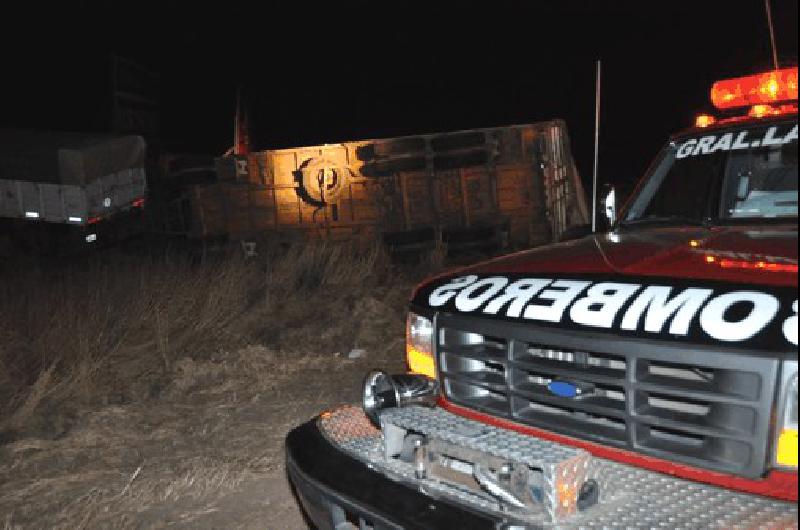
{"x": 761, "y": 255}
{"x": 732, "y": 286}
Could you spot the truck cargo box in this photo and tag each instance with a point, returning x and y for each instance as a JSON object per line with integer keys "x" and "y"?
{"x": 514, "y": 185}
{"x": 69, "y": 177}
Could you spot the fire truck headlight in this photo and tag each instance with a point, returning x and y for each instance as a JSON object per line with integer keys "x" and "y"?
{"x": 786, "y": 443}
{"x": 419, "y": 345}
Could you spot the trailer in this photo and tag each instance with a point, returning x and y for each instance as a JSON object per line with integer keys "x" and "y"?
{"x": 512, "y": 186}
{"x": 60, "y": 191}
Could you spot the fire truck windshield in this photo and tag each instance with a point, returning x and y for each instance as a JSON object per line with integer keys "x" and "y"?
{"x": 749, "y": 173}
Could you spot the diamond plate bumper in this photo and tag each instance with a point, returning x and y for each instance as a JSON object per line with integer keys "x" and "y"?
{"x": 561, "y": 468}
{"x": 630, "y": 497}
{"x": 340, "y": 492}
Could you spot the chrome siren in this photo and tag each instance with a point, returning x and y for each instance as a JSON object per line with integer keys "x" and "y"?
{"x": 382, "y": 391}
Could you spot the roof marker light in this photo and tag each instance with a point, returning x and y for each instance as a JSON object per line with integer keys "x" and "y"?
{"x": 759, "y": 111}
{"x": 704, "y": 120}
{"x": 763, "y": 88}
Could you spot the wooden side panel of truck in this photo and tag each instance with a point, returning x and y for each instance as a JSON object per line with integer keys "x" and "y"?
{"x": 514, "y": 185}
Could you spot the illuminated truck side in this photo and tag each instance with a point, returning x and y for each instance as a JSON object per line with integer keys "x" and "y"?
{"x": 641, "y": 377}
{"x": 514, "y": 186}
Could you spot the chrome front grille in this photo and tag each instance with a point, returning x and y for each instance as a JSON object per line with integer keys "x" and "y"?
{"x": 700, "y": 406}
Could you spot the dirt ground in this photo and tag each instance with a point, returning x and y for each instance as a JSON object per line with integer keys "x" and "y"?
{"x": 179, "y": 421}
{"x": 208, "y": 454}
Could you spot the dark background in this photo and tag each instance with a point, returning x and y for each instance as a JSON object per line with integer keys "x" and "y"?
{"x": 327, "y": 72}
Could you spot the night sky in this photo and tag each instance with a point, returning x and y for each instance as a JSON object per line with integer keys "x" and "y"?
{"x": 327, "y": 72}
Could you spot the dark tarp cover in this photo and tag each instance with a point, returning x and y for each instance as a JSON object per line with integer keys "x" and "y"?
{"x": 66, "y": 158}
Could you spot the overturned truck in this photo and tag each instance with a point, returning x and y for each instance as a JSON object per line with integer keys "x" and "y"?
{"x": 495, "y": 187}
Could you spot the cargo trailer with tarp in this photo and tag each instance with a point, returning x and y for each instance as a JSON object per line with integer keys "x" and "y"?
{"x": 502, "y": 186}
{"x": 62, "y": 189}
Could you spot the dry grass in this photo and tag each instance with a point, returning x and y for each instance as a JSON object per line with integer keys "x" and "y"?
{"x": 68, "y": 334}
{"x": 82, "y": 334}
{"x": 142, "y": 392}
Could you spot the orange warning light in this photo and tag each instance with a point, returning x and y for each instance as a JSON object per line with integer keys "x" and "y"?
{"x": 758, "y": 89}
{"x": 704, "y": 120}
{"x": 420, "y": 362}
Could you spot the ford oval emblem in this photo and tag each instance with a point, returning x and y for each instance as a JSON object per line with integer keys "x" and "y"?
{"x": 564, "y": 389}
{"x": 570, "y": 389}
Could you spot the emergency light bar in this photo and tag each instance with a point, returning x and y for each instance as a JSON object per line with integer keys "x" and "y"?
{"x": 758, "y": 89}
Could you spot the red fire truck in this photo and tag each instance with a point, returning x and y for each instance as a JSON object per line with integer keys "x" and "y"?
{"x": 644, "y": 377}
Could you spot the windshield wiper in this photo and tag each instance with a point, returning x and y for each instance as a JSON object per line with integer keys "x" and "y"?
{"x": 666, "y": 219}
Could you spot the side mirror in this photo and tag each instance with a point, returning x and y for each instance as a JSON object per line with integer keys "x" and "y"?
{"x": 610, "y": 206}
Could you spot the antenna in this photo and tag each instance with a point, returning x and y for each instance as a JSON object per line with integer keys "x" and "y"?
{"x": 596, "y": 145}
{"x": 772, "y": 35}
